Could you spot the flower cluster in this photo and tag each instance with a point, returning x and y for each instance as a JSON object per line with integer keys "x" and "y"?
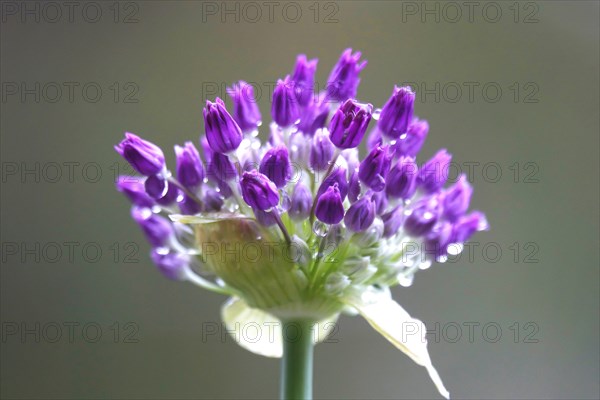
{"x": 328, "y": 232}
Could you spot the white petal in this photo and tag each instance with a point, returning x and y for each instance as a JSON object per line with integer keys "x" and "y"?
{"x": 397, "y": 326}
{"x": 260, "y": 332}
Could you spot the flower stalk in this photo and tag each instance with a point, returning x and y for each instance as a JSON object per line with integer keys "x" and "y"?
{"x": 297, "y": 360}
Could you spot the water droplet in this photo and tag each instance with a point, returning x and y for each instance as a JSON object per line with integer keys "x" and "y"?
{"x": 455, "y": 249}
{"x": 427, "y": 263}
{"x": 403, "y": 136}
{"x": 286, "y": 202}
{"x": 320, "y": 229}
{"x": 376, "y": 114}
{"x": 440, "y": 259}
{"x": 405, "y": 281}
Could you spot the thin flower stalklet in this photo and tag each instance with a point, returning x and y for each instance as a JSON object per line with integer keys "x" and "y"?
{"x": 297, "y": 229}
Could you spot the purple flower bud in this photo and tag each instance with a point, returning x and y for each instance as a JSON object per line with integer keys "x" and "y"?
{"x": 189, "y": 206}
{"x": 264, "y": 218}
{"x": 158, "y": 230}
{"x": 258, "y": 191}
{"x": 222, "y": 132}
{"x": 343, "y": 80}
{"x": 221, "y": 169}
{"x": 330, "y": 209}
{"x": 145, "y": 157}
{"x": 170, "y": 196}
{"x": 351, "y": 157}
{"x": 301, "y": 202}
{"x": 401, "y": 182}
{"x": 211, "y": 200}
{"x": 190, "y": 171}
{"x": 397, "y": 113}
{"x": 434, "y": 173}
{"x": 206, "y": 150}
{"x": 467, "y": 225}
{"x": 133, "y": 188}
{"x": 354, "y": 187}
{"x": 171, "y": 265}
{"x": 156, "y": 186}
{"x": 457, "y": 198}
{"x": 321, "y": 151}
{"x": 392, "y": 221}
{"x": 360, "y": 215}
{"x": 381, "y": 202}
{"x": 437, "y": 241}
{"x": 422, "y": 218}
{"x": 336, "y": 177}
{"x": 314, "y": 116}
{"x": 410, "y": 143}
{"x": 374, "y": 168}
{"x": 245, "y": 109}
{"x": 285, "y": 109}
{"x": 299, "y": 148}
{"x": 276, "y": 166}
{"x": 374, "y": 139}
{"x": 349, "y": 124}
{"x": 304, "y": 78}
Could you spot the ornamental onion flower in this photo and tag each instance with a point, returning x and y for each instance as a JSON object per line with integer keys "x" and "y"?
{"x": 293, "y": 197}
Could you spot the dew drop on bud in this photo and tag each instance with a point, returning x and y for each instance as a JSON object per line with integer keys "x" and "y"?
{"x": 320, "y": 229}
{"x": 376, "y": 114}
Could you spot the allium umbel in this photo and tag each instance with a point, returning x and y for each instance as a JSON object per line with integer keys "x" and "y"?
{"x": 330, "y": 233}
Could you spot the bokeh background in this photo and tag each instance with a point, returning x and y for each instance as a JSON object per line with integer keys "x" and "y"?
{"x": 156, "y": 62}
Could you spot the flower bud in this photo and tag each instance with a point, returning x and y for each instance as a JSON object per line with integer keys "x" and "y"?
{"x": 397, "y": 113}
{"x": 222, "y": 132}
{"x": 145, "y": 157}
{"x": 392, "y": 221}
{"x": 304, "y": 78}
{"x": 156, "y": 186}
{"x": 434, "y": 173}
{"x": 410, "y": 143}
{"x": 401, "y": 182}
{"x": 211, "y": 200}
{"x": 171, "y": 265}
{"x": 330, "y": 209}
{"x": 467, "y": 225}
{"x": 354, "y": 187}
{"x": 437, "y": 241}
{"x": 221, "y": 169}
{"x": 158, "y": 230}
{"x": 343, "y": 80}
{"x": 360, "y": 215}
{"x": 264, "y": 218}
{"x": 133, "y": 189}
{"x": 349, "y": 124}
{"x": 285, "y": 109}
{"x": 321, "y": 151}
{"x": 422, "y": 218}
{"x": 258, "y": 191}
{"x": 301, "y": 202}
{"x": 276, "y": 166}
{"x": 189, "y": 206}
{"x": 336, "y": 177}
{"x": 245, "y": 109}
{"x": 314, "y": 116}
{"x": 190, "y": 171}
{"x": 381, "y": 202}
{"x": 374, "y": 168}
{"x": 457, "y": 198}
{"x": 171, "y": 195}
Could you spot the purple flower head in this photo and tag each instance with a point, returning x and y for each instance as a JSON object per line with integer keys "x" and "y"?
{"x": 258, "y": 191}
{"x": 336, "y": 177}
{"x": 397, "y": 113}
{"x": 221, "y": 168}
{"x": 156, "y": 186}
{"x": 402, "y": 179}
{"x": 304, "y": 78}
{"x": 360, "y": 215}
{"x": 392, "y": 221}
{"x": 245, "y": 109}
{"x": 467, "y": 225}
{"x": 301, "y": 202}
{"x": 211, "y": 200}
{"x": 158, "y": 230}
{"x": 222, "y": 132}
{"x": 171, "y": 265}
{"x": 410, "y": 143}
{"x": 314, "y": 116}
{"x": 422, "y": 218}
{"x": 374, "y": 168}
{"x": 354, "y": 187}
{"x": 457, "y": 198}
{"x": 349, "y": 124}
{"x": 264, "y": 218}
{"x": 170, "y": 196}
{"x": 381, "y": 202}
{"x": 321, "y": 151}
{"x": 330, "y": 209}
{"x": 437, "y": 241}
{"x": 343, "y": 80}
{"x": 434, "y": 173}
{"x": 145, "y": 157}
{"x": 276, "y": 166}
{"x": 133, "y": 189}
{"x": 285, "y": 109}
{"x": 190, "y": 171}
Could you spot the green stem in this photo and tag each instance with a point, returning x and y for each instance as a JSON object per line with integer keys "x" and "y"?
{"x": 297, "y": 361}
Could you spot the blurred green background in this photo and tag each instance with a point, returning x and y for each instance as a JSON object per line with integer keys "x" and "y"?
{"x": 156, "y": 62}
